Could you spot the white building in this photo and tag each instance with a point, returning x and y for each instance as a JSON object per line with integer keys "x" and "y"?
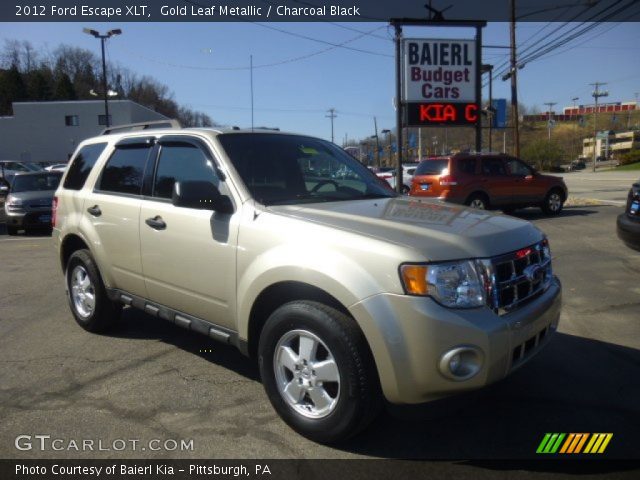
{"x": 50, "y": 131}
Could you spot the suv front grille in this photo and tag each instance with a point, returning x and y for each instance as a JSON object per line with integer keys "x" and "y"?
{"x": 518, "y": 277}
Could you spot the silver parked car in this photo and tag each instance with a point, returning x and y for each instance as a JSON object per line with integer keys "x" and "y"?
{"x": 344, "y": 292}
{"x": 28, "y": 205}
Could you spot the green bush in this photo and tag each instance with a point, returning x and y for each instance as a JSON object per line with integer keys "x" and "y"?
{"x": 542, "y": 154}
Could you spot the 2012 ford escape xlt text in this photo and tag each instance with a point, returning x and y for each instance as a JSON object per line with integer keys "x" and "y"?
{"x": 344, "y": 292}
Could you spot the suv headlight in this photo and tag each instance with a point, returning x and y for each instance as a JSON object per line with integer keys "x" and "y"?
{"x": 452, "y": 284}
{"x": 13, "y": 201}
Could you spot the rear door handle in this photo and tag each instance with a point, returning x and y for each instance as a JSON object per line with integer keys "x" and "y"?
{"x": 95, "y": 211}
{"x": 156, "y": 223}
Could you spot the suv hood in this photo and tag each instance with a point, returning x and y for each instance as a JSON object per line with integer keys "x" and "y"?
{"x": 437, "y": 230}
{"x": 34, "y": 196}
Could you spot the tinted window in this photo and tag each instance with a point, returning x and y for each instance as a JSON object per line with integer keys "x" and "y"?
{"x": 35, "y": 183}
{"x": 492, "y": 166}
{"x": 287, "y": 169}
{"x": 82, "y": 164}
{"x": 467, "y": 165}
{"x": 432, "y": 167}
{"x": 178, "y": 164}
{"x": 516, "y": 167}
{"x": 124, "y": 171}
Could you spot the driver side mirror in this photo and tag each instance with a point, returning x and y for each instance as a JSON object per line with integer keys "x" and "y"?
{"x": 200, "y": 195}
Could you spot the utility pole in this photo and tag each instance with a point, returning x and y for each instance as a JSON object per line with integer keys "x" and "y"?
{"x": 331, "y": 115}
{"x": 251, "y": 81}
{"x": 514, "y": 82}
{"x": 375, "y": 127}
{"x": 387, "y": 132}
{"x": 575, "y": 132}
{"x": 550, "y": 105}
{"x": 596, "y": 94}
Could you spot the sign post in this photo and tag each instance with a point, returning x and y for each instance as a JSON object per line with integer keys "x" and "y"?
{"x": 438, "y": 81}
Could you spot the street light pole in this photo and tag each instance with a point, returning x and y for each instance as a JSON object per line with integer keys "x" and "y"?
{"x": 105, "y": 90}
{"x": 575, "y": 133}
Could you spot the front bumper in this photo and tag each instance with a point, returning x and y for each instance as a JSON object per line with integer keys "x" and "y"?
{"x": 409, "y": 336}
{"x": 629, "y": 230}
{"x": 29, "y": 219}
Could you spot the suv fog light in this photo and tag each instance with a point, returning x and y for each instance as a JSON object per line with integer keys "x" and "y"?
{"x": 461, "y": 363}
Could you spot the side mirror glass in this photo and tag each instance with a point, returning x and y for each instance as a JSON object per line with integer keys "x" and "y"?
{"x": 200, "y": 195}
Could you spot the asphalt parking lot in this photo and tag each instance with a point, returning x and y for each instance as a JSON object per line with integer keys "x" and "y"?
{"x": 150, "y": 380}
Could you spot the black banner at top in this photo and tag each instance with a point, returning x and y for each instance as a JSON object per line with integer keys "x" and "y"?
{"x": 314, "y": 10}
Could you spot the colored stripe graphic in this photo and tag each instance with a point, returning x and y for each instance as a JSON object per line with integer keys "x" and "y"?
{"x": 574, "y": 442}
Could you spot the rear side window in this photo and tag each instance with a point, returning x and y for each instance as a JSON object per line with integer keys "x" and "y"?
{"x": 432, "y": 167}
{"x": 179, "y": 163}
{"x": 124, "y": 171}
{"x": 493, "y": 166}
{"x": 466, "y": 165}
{"x": 82, "y": 164}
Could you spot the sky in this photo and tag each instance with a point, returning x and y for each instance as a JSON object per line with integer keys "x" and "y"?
{"x": 297, "y": 80}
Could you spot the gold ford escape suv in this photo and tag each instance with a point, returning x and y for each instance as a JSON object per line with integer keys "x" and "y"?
{"x": 344, "y": 292}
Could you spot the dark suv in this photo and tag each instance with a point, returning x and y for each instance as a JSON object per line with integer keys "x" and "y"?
{"x": 488, "y": 181}
{"x": 629, "y": 221}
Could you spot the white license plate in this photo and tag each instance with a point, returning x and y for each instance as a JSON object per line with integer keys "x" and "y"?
{"x": 635, "y": 206}
{"x": 45, "y": 218}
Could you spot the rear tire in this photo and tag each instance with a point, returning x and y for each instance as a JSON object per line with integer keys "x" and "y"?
{"x": 334, "y": 393}
{"x": 405, "y": 189}
{"x": 87, "y": 296}
{"x": 553, "y": 202}
{"x": 478, "y": 200}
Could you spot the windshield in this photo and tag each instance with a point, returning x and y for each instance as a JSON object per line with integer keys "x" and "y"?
{"x": 34, "y": 183}
{"x": 283, "y": 169}
{"x": 31, "y": 167}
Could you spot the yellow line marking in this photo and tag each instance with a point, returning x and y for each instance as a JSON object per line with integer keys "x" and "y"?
{"x": 608, "y": 438}
{"x": 598, "y": 442}
{"x": 591, "y": 442}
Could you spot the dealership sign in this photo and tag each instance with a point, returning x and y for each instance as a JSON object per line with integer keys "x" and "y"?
{"x": 439, "y": 78}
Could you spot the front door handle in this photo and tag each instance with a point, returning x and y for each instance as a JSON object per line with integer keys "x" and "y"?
{"x": 95, "y": 211}
{"x": 156, "y": 223}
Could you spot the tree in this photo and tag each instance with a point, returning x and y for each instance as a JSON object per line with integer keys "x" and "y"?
{"x": 12, "y": 89}
{"x": 64, "y": 89}
{"x": 40, "y": 85}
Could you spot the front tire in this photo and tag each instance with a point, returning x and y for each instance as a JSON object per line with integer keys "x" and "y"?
{"x": 318, "y": 372}
{"x": 479, "y": 201}
{"x": 553, "y": 202}
{"x": 12, "y": 230}
{"x": 87, "y": 296}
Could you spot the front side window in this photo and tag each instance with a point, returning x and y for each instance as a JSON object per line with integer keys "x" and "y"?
{"x": 124, "y": 171}
{"x": 179, "y": 163}
{"x": 517, "y": 168}
{"x": 280, "y": 169}
{"x": 82, "y": 164}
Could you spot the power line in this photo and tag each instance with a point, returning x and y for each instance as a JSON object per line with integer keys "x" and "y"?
{"x": 264, "y": 65}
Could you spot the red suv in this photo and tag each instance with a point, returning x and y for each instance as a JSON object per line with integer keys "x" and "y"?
{"x": 488, "y": 181}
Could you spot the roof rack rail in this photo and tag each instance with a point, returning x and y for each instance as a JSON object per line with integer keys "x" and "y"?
{"x": 131, "y": 127}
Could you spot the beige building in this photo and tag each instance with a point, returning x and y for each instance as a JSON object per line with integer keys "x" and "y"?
{"x": 611, "y": 144}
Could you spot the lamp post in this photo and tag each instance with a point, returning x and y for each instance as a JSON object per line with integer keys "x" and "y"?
{"x": 105, "y": 91}
{"x": 575, "y": 133}
{"x": 597, "y": 93}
